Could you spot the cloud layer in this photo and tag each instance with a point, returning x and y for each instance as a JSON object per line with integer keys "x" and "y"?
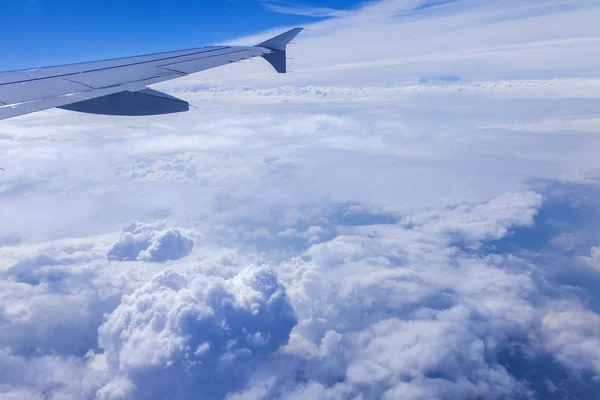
{"x": 412, "y": 218}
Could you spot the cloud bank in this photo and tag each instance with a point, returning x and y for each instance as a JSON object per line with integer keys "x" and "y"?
{"x": 412, "y": 218}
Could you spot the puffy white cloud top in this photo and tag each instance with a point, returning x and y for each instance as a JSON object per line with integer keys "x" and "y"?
{"x": 150, "y": 242}
{"x": 181, "y": 334}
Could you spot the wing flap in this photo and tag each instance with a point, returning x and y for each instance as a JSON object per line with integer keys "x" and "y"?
{"x": 15, "y": 110}
{"x": 82, "y": 68}
{"x": 44, "y": 104}
{"x": 27, "y": 91}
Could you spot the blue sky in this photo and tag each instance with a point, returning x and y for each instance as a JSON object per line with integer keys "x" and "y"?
{"x": 50, "y": 32}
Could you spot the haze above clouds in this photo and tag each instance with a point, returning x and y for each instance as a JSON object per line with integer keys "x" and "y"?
{"x": 411, "y": 214}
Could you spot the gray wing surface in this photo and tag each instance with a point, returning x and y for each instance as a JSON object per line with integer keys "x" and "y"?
{"x": 119, "y": 86}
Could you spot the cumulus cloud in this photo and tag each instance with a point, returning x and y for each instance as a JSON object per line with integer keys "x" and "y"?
{"x": 418, "y": 317}
{"x": 182, "y": 334}
{"x": 151, "y": 243}
{"x": 410, "y": 307}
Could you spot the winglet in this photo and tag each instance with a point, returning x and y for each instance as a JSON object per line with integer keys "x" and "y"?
{"x": 278, "y": 43}
{"x": 278, "y": 46}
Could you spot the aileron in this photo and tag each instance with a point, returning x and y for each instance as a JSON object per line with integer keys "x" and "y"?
{"x": 204, "y": 63}
{"x": 118, "y": 76}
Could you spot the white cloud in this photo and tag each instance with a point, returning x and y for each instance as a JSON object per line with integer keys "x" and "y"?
{"x": 572, "y": 333}
{"x": 319, "y": 12}
{"x": 150, "y": 242}
{"x": 195, "y": 332}
{"x": 411, "y": 214}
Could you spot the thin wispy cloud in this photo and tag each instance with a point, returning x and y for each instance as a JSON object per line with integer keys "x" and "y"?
{"x": 296, "y": 9}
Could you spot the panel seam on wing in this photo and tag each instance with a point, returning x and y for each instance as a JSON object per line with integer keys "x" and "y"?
{"x": 108, "y": 68}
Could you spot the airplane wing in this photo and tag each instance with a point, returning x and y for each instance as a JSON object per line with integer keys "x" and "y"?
{"x": 119, "y": 86}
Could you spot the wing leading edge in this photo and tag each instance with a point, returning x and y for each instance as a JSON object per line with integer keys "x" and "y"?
{"x": 119, "y": 86}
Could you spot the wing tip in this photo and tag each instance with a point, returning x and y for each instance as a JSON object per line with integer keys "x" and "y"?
{"x": 279, "y": 42}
